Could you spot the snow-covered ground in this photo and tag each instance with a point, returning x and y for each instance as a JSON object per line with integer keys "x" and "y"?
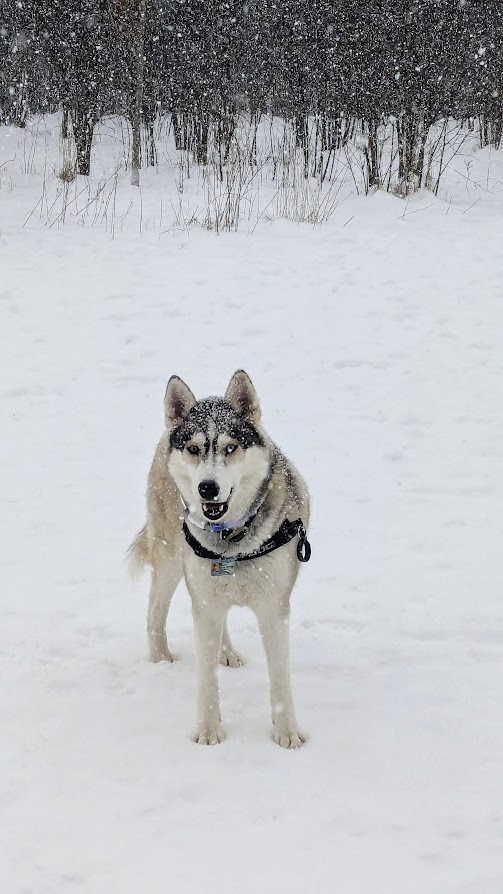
{"x": 376, "y": 344}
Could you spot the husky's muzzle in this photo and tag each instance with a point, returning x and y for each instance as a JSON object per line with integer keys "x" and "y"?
{"x": 213, "y": 509}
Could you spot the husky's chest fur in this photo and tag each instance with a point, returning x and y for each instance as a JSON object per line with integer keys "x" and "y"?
{"x": 254, "y": 581}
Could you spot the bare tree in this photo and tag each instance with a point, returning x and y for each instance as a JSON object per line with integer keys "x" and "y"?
{"x": 138, "y": 100}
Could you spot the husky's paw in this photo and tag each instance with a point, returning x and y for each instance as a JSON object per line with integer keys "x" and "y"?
{"x": 231, "y": 658}
{"x": 209, "y": 735}
{"x": 288, "y": 738}
{"x": 161, "y": 653}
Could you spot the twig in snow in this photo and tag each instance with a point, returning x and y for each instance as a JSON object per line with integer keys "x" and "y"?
{"x": 472, "y": 206}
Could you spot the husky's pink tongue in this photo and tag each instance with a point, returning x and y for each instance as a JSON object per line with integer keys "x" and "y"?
{"x": 214, "y": 511}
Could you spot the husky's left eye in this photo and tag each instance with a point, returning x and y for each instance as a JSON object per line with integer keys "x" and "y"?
{"x": 231, "y": 448}
{"x": 193, "y": 449}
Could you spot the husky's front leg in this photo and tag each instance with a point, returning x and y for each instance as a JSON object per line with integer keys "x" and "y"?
{"x": 273, "y": 622}
{"x": 209, "y": 622}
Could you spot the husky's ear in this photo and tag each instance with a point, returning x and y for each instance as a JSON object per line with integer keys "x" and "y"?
{"x": 178, "y": 401}
{"x": 242, "y": 397}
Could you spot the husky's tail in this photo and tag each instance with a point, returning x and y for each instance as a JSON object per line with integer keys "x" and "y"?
{"x": 138, "y": 553}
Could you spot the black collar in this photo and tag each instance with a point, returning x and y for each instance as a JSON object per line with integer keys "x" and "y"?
{"x": 283, "y": 535}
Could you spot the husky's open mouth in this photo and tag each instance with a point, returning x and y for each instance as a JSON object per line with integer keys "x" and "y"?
{"x": 214, "y": 511}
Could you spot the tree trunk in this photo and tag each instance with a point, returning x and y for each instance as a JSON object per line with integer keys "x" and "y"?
{"x": 373, "y": 156}
{"x": 498, "y": 130}
{"x": 137, "y": 108}
{"x": 201, "y": 130}
{"x": 83, "y": 127}
{"x": 413, "y": 130}
{"x": 64, "y": 124}
{"x": 151, "y": 150}
{"x": 255, "y": 116}
{"x": 177, "y": 130}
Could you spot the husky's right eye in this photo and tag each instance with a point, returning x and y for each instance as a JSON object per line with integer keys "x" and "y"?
{"x": 193, "y": 449}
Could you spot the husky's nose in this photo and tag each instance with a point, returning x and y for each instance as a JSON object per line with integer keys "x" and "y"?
{"x": 209, "y": 490}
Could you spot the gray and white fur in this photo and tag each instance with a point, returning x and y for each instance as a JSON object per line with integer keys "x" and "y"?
{"x": 215, "y": 464}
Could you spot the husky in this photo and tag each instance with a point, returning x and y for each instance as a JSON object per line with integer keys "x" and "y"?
{"x": 227, "y": 511}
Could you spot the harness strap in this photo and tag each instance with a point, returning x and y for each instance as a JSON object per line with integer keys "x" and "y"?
{"x": 283, "y": 535}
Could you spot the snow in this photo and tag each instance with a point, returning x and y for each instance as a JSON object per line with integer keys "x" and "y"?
{"x": 376, "y": 348}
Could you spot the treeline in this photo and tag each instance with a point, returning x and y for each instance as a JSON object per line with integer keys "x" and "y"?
{"x": 345, "y": 61}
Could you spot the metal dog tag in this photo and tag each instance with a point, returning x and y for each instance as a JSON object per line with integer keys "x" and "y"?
{"x": 221, "y": 567}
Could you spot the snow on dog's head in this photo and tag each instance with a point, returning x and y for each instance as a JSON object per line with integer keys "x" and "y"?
{"x": 219, "y": 454}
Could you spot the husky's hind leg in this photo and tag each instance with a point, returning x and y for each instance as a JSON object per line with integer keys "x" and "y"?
{"x": 229, "y": 656}
{"x": 165, "y": 579}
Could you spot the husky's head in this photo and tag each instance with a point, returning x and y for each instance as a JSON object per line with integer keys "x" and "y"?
{"x": 219, "y": 454}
